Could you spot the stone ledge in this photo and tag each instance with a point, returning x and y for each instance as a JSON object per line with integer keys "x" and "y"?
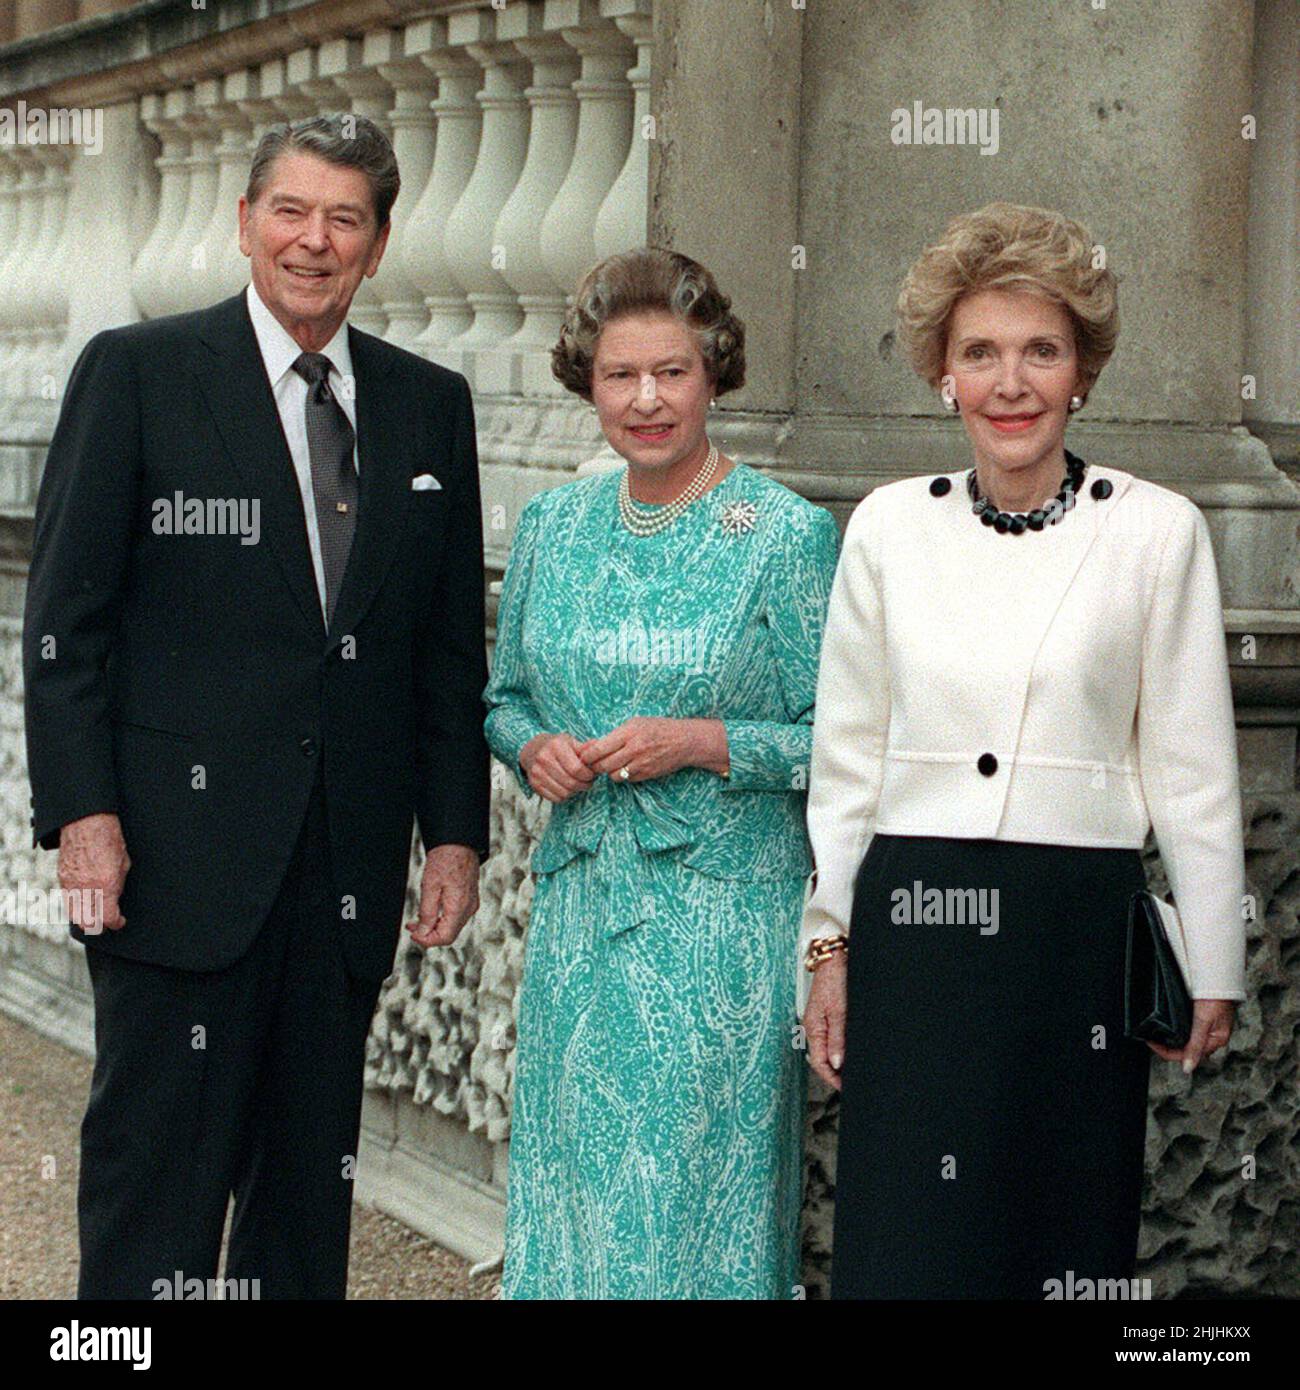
{"x": 54, "y": 1008}
{"x": 160, "y": 44}
{"x": 458, "y": 1212}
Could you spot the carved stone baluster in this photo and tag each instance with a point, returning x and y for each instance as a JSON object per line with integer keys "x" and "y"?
{"x": 49, "y": 284}
{"x": 163, "y": 115}
{"x": 227, "y": 270}
{"x": 111, "y": 212}
{"x": 471, "y": 252}
{"x": 621, "y": 221}
{"x": 458, "y": 125}
{"x": 604, "y": 133}
{"x": 15, "y": 252}
{"x": 412, "y": 125}
{"x": 522, "y": 362}
{"x": 183, "y": 282}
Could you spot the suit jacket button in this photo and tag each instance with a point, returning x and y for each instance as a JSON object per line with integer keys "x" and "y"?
{"x": 1102, "y": 489}
{"x": 308, "y": 746}
{"x": 940, "y": 487}
{"x": 987, "y": 764}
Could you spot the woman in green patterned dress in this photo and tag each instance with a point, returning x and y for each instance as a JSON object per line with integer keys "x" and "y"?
{"x": 654, "y": 675}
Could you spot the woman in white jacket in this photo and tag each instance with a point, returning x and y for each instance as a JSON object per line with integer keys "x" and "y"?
{"x": 1024, "y": 669}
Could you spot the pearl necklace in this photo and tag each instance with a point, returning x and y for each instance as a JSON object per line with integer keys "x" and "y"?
{"x": 1020, "y": 522}
{"x": 644, "y": 523}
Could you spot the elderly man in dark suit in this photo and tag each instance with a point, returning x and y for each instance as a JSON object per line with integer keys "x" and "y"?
{"x": 254, "y": 657}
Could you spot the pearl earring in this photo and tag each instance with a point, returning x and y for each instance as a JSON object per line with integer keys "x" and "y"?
{"x": 1076, "y": 403}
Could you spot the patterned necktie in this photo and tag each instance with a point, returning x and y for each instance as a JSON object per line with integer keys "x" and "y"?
{"x": 330, "y": 439}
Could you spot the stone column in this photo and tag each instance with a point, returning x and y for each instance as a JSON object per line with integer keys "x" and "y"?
{"x": 412, "y": 126}
{"x": 724, "y": 169}
{"x": 458, "y": 125}
{"x": 621, "y": 222}
{"x": 163, "y": 115}
{"x": 522, "y": 361}
{"x": 22, "y": 211}
{"x": 183, "y": 273}
{"x": 50, "y": 276}
{"x": 10, "y": 172}
{"x": 468, "y": 241}
{"x": 39, "y": 235}
{"x": 109, "y": 208}
{"x": 224, "y": 267}
{"x": 15, "y": 277}
{"x": 604, "y": 134}
{"x": 281, "y": 88}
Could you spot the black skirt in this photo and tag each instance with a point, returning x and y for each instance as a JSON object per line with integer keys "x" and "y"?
{"x": 993, "y": 1115}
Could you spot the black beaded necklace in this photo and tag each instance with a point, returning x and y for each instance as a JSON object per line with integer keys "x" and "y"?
{"x": 1019, "y": 522}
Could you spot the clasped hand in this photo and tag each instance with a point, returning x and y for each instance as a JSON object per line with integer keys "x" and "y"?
{"x": 559, "y": 766}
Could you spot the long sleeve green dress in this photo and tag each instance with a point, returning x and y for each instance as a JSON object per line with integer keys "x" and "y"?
{"x": 660, "y": 1080}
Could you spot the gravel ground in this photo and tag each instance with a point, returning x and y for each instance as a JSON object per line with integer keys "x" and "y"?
{"x": 44, "y": 1088}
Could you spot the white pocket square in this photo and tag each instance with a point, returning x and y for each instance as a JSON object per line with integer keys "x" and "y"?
{"x": 425, "y": 482}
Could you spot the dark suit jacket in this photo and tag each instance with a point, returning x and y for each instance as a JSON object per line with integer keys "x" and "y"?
{"x": 187, "y": 682}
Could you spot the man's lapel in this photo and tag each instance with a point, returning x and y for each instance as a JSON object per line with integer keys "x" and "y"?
{"x": 232, "y": 379}
{"x": 383, "y": 485}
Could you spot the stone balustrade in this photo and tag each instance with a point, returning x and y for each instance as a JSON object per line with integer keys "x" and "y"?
{"x": 521, "y": 137}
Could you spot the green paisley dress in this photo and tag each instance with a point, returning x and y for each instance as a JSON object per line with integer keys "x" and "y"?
{"x": 657, "y": 1123}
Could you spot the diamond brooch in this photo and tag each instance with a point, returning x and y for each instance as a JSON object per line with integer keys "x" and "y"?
{"x": 738, "y": 517}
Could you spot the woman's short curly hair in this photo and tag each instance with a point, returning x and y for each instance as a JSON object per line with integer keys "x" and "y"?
{"x": 644, "y": 281}
{"x": 1006, "y": 246}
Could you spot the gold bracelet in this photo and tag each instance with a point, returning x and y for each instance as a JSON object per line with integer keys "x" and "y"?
{"x": 823, "y": 948}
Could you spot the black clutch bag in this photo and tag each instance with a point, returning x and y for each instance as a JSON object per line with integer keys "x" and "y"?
{"x": 1157, "y": 1003}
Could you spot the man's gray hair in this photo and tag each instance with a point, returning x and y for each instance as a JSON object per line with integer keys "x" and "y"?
{"x": 355, "y": 142}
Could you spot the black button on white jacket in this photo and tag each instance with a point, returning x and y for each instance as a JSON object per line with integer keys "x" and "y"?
{"x": 1068, "y": 686}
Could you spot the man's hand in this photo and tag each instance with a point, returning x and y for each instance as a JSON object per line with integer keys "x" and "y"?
{"x": 93, "y": 865}
{"x": 448, "y": 895}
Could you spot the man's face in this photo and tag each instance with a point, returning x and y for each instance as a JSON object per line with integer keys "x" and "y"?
{"x": 311, "y": 236}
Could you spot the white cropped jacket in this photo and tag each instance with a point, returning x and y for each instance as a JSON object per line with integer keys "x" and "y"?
{"x": 1068, "y": 686}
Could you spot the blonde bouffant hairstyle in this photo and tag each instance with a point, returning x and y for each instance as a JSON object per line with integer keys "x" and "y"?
{"x": 646, "y": 280}
{"x": 1006, "y": 246}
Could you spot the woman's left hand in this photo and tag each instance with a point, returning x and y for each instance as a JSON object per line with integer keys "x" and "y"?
{"x": 1212, "y": 1021}
{"x": 651, "y": 747}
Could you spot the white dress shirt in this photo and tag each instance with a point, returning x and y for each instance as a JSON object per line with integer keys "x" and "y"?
{"x": 279, "y": 353}
{"x": 1068, "y": 686}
